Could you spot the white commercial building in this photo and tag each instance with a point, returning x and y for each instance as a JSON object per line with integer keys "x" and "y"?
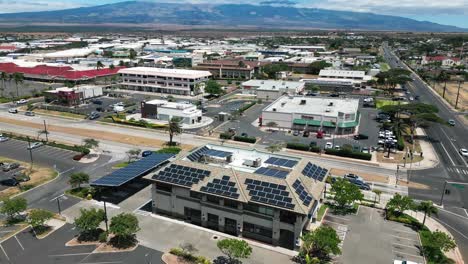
{"x": 165, "y": 111}
{"x": 356, "y": 76}
{"x": 331, "y": 115}
{"x": 159, "y": 80}
{"x": 272, "y": 89}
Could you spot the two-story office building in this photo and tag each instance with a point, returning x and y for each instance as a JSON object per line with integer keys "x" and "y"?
{"x": 163, "y": 110}
{"x": 167, "y": 81}
{"x": 243, "y": 192}
{"x": 331, "y": 115}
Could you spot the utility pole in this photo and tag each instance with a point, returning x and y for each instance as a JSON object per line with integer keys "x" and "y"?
{"x": 105, "y": 217}
{"x": 46, "y": 132}
{"x": 458, "y": 92}
{"x": 30, "y": 152}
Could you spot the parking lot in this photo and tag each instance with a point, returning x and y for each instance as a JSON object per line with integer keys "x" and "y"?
{"x": 369, "y": 238}
{"x": 25, "y": 248}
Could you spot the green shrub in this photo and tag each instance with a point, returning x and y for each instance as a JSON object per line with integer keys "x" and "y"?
{"x": 400, "y": 143}
{"x": 176, "y": 251}
{"x": 315, "y": 149}
{"x": 298, "y": 146}
{"x": 245, "y": 139}
{"x": 349, "y": 154}
{"x": 102, "y": 237}
{"x": 169, "y": 150}
{"x": 225, "y": 136}
{"x": 202, "y": 260}
{"x": 245, "y": 107}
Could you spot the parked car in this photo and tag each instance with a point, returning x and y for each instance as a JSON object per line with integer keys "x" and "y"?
{"x": 296, "y": 133}
{"x": 35, "y": 145}
{"x": 464, "y": 152}
{"x": 244, "y": 134}
{"x": 13, "y": 111}
{"x": 360, "y": 136}
{"x": 352, "y": 176}
{"x": 146, "y": 153}
{"x": 21, "y": 177}
{"x": 94, "y": 115}
{"x": 29, "y": 113}
{"x": 320, "y": 134}
{"x": 10, "y": 166}
{"x": 416, "y": 97}
{"x": 306, "y": 134}
{"x": 411, "y": 98}
{"x": 451, "y": 122}
{"x": 361, "y": 185}
{"x": 10, "y": 182}
{"x": 313, "y": 144}
{"x": 334, "y": 95}
{"x": 337, "y": 147}
{"x": 3, "y": 139}
{"x": 98, "y": 102}
{"x": 329, "y": 145}
{"x": 22, "y": 101}
{"x": 365, "y": 150}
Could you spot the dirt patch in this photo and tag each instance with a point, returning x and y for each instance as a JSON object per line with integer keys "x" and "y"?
{"x": 414, "y": 185}
{"x": 88, "y": 133}
{"x": 451, "y": 94}
{"x": 396, "y": 158}
{"x": 365, "y": 176}
{"x": 75, "y": 242}
{"x": 168, "y": 258}
{"x": 38, "y": 175}
{"x": 104, "y": 247}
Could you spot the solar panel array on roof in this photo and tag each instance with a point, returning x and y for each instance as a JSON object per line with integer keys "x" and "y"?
{"x": 181, "y": 175}
{"x": 217, "y": 153}
{"x": 272, "y": 172}
{"x": 315, "y": 172}
{"x": 133, "y": 170}
{"x": 302, "y": 192}
{"x": 269, "y": 193}
{"x": 281, "y": 162}
{"x": 223, "y": 187}
{"x": 195, "y": 156}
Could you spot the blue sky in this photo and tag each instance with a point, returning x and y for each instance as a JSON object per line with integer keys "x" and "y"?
{"x": 451, "y": 12}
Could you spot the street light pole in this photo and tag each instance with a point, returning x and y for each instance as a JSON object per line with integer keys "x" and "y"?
{"x": 30, "y": 152}
{"x": 46, "y": 132}
{"x": 443, "y": 193}
{"x": 105, "y": 217}
{"x": 458, "y": 93}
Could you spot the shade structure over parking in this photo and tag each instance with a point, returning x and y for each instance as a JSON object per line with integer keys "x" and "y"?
{"x": 133, "y": 170}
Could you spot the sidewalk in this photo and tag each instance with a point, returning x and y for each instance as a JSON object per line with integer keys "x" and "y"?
{"x": 163, "y": 233}
{"x": 433, "y": 225}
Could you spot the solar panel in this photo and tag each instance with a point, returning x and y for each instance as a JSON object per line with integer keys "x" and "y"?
{"x": 302, "y": 192}
{"x": 269, "y": 193}
{"x": 224, "y": 187}
{"x": 272, "y": 172}
{"x": 195, "y": 156}
{"x": 281, "y": 162}
{"x": 181, "y": 175}
{"x": 315, "y": 172}
{"x": 217, "y": 153}
{"x": 133, "y": 170}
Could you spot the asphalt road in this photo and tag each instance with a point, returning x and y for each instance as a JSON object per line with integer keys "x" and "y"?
{"x": 447, "y": 141}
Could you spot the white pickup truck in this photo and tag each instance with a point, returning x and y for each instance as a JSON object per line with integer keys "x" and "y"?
{"x": 22, "y": 101}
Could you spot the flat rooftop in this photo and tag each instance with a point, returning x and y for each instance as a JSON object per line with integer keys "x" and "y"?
{"x": 178, "y": 73}
{"x": 273, "y": 84}
{"x": 342, "y": 73}
{"x": 314, "y": 105}
{"x": 167, "y": 104}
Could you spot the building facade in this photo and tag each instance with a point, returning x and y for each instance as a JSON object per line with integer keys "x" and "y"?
{"x": 164, "y": 110}
{"x": 242, "y": 192}
{"x": 72, "y": 96}
{"x": 333, "y": 116}
{"x": 167, "y": 81}
{"x": 272, "y": 89}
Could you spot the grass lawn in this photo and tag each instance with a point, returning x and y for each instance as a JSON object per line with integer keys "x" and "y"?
{"x": 321, "y": 212}
{"x": 384, "y": 66}
{"x": 381, "y": 103}
{"x": 121, "y": 165}
{"x": 57, "y": 113}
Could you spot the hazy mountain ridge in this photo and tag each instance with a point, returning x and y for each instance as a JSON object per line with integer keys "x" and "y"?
{"x": 225, "y": 15}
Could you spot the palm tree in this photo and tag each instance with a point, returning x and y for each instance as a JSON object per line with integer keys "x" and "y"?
{"x": 377, "y": 193}
{"x": 112, "y": 67}
{"x": 428, "y": 208}
{"x": 99, "y": 65}
{"x": 274, "y": 148}
{"x": 18, "y": 78}
{"x": 174, "y": 128}
{"x": 90, "y": 143}
{"x": 3, "y": 77}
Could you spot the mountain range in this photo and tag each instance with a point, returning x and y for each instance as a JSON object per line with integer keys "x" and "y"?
{"x": 224, "y": 16}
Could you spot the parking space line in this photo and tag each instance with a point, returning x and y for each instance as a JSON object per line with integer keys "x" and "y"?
{"x": 466, "y": 212}
{"x": 17, "y": 240}
{"x": 108, "y": 262}
{"x": 407, "y": 254}
{"x": 325, "y": 220}
{"x": 401, "y": 245}
{"x": 73, "y": 254}
{"x": 4, "y": 252}
{"x": 346, "y": 219}
{"x": 409, "y": 232}
{"x": 404, "y": 238}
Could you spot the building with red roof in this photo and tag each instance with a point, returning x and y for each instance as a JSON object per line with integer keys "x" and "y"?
{"x": 57, "y": 73}
{"x": 444, "y": 60}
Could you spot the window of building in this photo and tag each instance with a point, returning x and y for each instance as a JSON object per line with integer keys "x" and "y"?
{"x": 287, "y": 217}
{"x": 230, "y": 203}
{"x": 212, "y": 199}
{"x": 257, "y": 229}
{"x": 259, "y": 209}
{"x": 163, "y": 187}
{"x": 196, "y": 195}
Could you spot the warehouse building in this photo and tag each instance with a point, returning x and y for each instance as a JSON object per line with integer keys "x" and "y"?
{"x": 272, "y": 89}
{"x": 72, "y": 96}
{"x": 167, "y": 81}
{"x": 242, "y": 192}
{"x": 334, "y": 116}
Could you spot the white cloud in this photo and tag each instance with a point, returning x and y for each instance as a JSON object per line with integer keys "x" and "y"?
{"x": 27, "y": 6}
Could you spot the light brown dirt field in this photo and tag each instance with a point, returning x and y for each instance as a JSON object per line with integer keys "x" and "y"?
{"x": 173, "y": 259}
{"x": 88, "y": 133}
{"x": 104, "y": 247}
{"x": 396, "y": 158}
{"x": 414, "y": 185}
{"x": 451, "y": 94}
{"x": 75, "y": 242}
{"x": 38, "y": 176}
{"x": 365, "y": 176}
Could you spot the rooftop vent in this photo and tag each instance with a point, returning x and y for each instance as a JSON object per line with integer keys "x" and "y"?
{"x": 303, "y": 102}
{"x": 327, "y": 110}
{"x": 274, "y": 109}
{"x": 330, "y": 104}
{"x": 283, "y": 103}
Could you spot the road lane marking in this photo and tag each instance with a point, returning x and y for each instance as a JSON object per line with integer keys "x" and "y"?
{"x": 399, "y": 252}
{"x": 438, "y": 220}
{"x": 466, "y": 212}
{"x": 448, "y": 155}
{"x": 450, "y": 212}
{"x": 401, "y": 245}
{"x": 17, "y": 240}
{"x": 70, "y": 255}
{"x": 4, "y": 252}
{"x": 454, "y": 147}
{"x": 109, "y": 262}
{"x": 399, "y": 237}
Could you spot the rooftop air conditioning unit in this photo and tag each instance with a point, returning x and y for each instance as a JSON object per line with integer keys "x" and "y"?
{"x": 327, "y": 110}
{"x": 274, "y": 109}
{"x": 330, "y": 104}
{"x": 283, "y": 103}
{"x": 303, "y": 102}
